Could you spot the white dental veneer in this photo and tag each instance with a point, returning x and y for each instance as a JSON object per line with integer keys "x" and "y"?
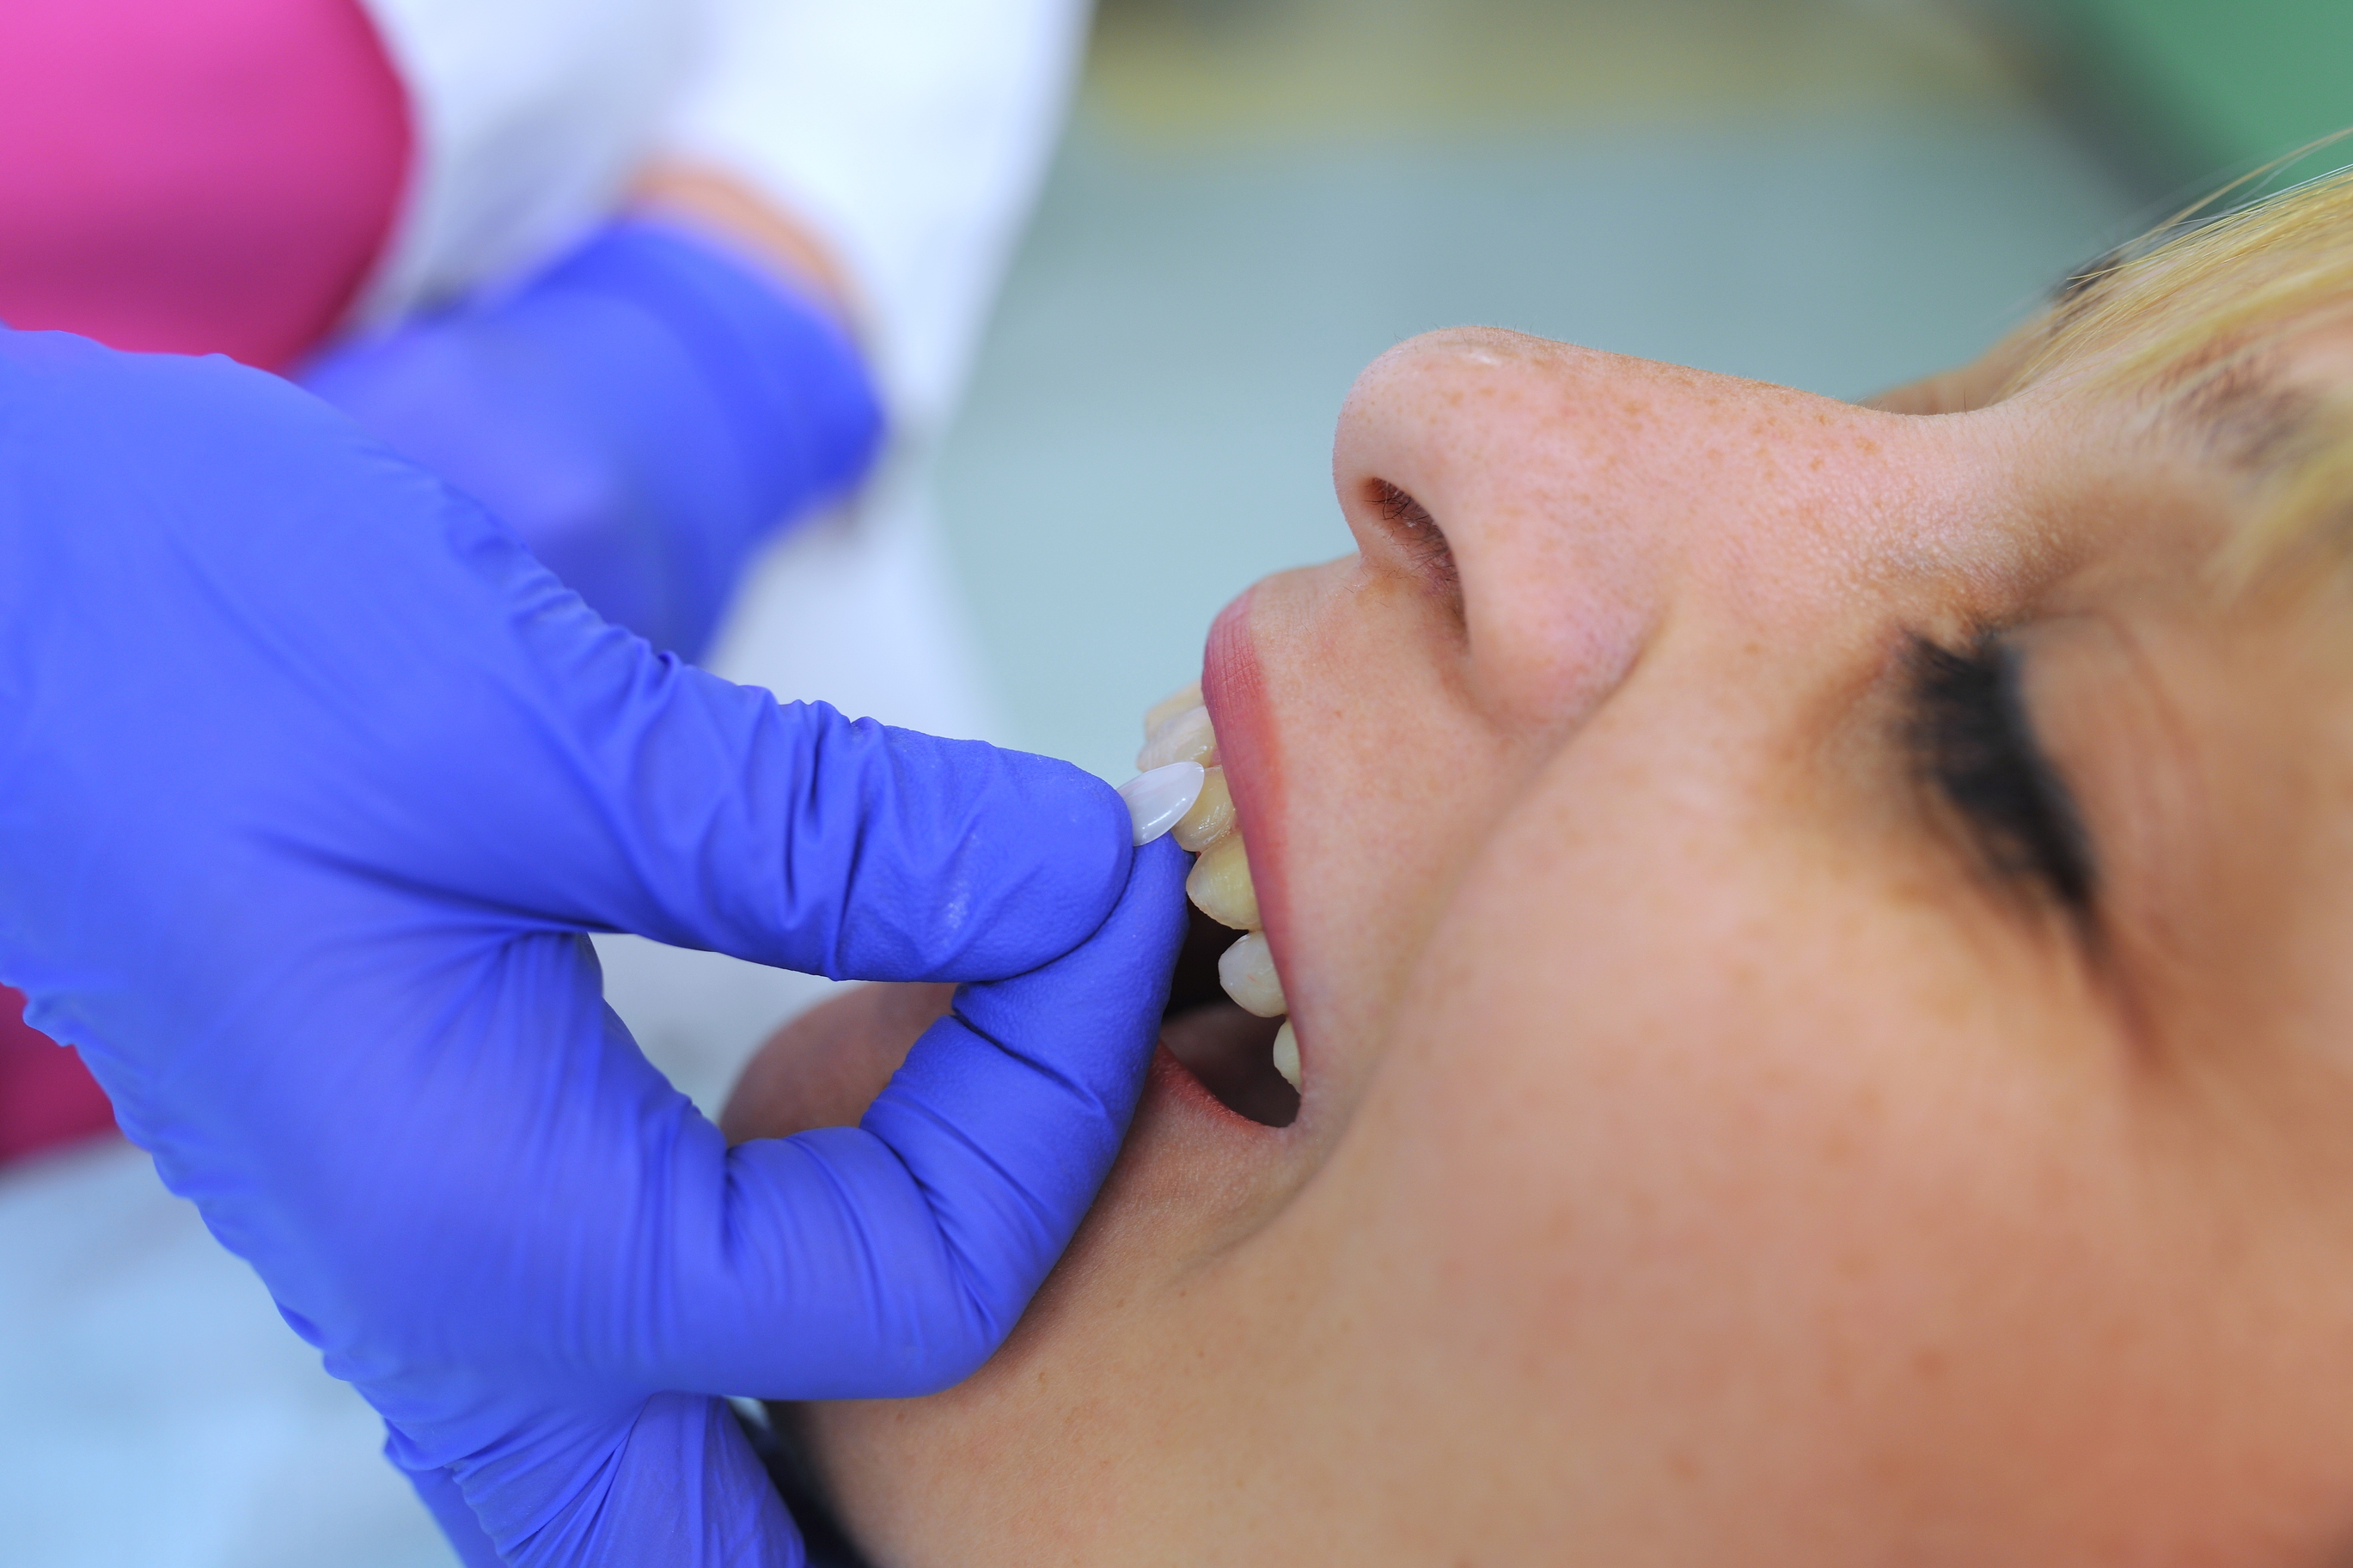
{"x": 1157, "y": 801}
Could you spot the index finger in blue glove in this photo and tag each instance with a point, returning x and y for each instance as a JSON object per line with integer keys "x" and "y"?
{"x": 370, "y": 681}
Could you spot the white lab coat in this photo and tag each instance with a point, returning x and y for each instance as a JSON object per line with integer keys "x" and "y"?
{"x": 912, "y": 134}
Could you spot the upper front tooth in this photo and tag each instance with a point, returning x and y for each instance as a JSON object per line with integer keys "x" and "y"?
{"x": 1160, "y": 799}
{"x": 1220, "y": 885}
{"x": 1212, "y": 816}
{"x": 1247, "y": 971}
{"x": 1169, "y": 707}
{"x": 1185, "y": 737}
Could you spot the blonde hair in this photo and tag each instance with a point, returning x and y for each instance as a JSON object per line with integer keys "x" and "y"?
{"x": 2195, "y": 304}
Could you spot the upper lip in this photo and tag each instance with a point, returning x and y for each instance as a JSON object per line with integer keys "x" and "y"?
{"x": 1182, "y": 1132}
{"x": 1234, "y": 687}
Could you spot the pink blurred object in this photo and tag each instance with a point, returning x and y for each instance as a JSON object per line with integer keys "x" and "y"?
{"x": 194, "y": 176}
{"x": 47, "y": 1098}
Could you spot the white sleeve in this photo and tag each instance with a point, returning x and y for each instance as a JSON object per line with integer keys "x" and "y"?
{"x": 912, "y": 134}
{"x": 527, "y": 117}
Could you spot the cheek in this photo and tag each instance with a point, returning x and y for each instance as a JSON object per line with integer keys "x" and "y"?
{"x": 1815, "y": 1212}
{"x": 1559, "y": 611}
{"x": 1373, "y": 779}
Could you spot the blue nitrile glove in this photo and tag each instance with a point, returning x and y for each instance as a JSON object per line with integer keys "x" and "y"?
{"x": 643, "y": 413}
{"x": 314, "y": 777}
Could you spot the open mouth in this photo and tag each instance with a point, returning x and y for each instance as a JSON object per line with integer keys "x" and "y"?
{"x": 1226, "y": 1018}
{"x": 1229, "y": 1049}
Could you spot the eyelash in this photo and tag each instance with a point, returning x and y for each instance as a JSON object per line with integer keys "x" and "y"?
{"x": 1419, "y": 533}
{"x": 1972, "y": 739}
{"x": 1969, "y": 734}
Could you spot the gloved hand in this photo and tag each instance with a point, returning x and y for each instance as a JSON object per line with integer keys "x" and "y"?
{"x": 644, "y": 412}
{"x": 315, "y": 777}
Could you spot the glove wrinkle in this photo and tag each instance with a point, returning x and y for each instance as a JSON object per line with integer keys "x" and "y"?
{"x": 682, "y": 1485}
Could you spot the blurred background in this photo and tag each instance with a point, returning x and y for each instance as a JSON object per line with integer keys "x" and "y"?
{"x": 1252, "y": 199}
{"x": 1255, "y": 197}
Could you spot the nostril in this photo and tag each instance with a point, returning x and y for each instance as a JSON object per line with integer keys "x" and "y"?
{"x": 1418, "y": 535}
{"x": 1398, "y": 506}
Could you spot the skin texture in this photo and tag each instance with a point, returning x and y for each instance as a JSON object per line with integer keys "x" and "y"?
{"x": 1708, "y": 1153}
{"x": 826, "y": 1067}
{"x": 729, "y": 211}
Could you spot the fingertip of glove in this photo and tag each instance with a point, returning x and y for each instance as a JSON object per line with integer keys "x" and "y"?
{"x": 1099, "y": 830}
{"x": 1101, "y": 866}
{"x": 1086, "y": 881}
{"x": 1152, "y": 905}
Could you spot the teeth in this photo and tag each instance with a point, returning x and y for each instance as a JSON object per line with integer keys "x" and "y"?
{"x": 1180, "y": 789}
{"x": 1186, "y": 737}
{"x": 1169, "y": 707}
{"x": 1286, "y": 1054}
{"x": 1220, "y": 885}
{"x": 1247, "y": 971}
{"x": 1158, "y": 800}
{"x": 1212, "y": 817}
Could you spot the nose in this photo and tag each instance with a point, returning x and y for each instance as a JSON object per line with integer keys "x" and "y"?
{"x": 1585, "y": 494}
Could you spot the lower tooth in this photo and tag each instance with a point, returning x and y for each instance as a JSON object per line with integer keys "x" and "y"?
{"x": 1286, "y": 1054}
{"x": 1220, "y": 885}
{"x": 1247, "y": 971}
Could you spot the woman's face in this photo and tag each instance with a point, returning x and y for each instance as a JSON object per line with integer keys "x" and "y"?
{"x": 1775, "y": 1092}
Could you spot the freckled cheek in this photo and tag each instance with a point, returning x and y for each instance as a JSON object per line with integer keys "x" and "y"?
{"x": 1352, "y": 673}
{"x": 1395, "y": 719}
{"x": 1554, "y": 637}
{"x": 1381, "y": 774}
{"x": 1708, "y": 1071}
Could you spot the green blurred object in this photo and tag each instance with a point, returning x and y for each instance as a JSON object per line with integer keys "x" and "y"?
{"x": 2186, "y": 90}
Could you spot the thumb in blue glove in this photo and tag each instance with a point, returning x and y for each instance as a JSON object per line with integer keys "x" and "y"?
{"x": 912, "y": 1243}
{"x": 316, "y": 777}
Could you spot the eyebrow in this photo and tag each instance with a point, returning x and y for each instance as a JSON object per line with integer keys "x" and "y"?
{"x": 2249, "y": 414}
{"x": 2074, "y": 291}
{"x": 2282, "y": 433}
